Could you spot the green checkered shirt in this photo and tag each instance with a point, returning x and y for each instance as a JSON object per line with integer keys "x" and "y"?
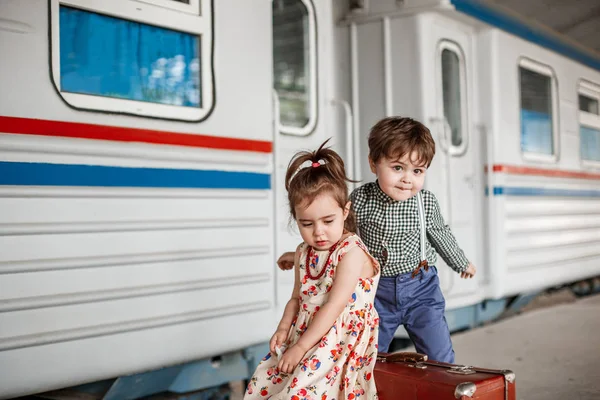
{"x": 391, "y": 231}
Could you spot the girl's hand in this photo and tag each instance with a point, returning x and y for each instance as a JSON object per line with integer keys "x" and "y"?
{"x": 290, "y": 359}
{"x": 286, "y": 261}
{"x": 277, "y": 340}
{"x": 469, "y": 272}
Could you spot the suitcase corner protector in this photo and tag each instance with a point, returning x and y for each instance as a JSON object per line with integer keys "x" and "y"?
{"x": 509, "y": 375}
{"x": 465, "y": 389}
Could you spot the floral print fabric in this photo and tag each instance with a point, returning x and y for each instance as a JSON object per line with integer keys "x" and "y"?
{"x": 340, "y": 366}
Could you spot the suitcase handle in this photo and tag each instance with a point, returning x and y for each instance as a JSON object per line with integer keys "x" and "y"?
{"x": 403, "y": 356}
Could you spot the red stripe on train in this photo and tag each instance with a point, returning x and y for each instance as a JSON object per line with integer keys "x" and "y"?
{"x": 28, "y": 126}
{"x": 554, "y": 173}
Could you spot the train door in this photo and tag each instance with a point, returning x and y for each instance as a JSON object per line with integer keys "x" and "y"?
{"x": 295, "y": 115}
{"x": 456, "y": 150}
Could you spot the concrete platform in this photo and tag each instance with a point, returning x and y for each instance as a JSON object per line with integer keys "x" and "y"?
{"x": 554, "y": 351}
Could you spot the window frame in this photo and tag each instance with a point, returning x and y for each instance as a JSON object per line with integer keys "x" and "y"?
{"x": 546, "y": 70}
{"x": 446, "y": 44}
{"x": 151, "y": 12}
{"x": 192, "y": 8}
{"x": 313, "y": 86}
{"x": 590, "y": 120}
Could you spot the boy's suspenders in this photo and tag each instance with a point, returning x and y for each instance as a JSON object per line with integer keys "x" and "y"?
{"x": 421, "y": 209}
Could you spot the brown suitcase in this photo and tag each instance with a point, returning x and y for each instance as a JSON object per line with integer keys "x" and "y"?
{"x": 409, "y": 376}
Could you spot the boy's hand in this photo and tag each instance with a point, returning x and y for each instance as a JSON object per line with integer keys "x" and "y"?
{"x": 286, "y": 261}
{"x": 469, "y": 272}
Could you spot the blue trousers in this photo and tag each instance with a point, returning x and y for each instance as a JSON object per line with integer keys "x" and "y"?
{"x": 418, "y": 304}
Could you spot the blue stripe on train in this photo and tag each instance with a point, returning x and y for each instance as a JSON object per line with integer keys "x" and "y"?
{"x": 45, "y": 174}
{"x": 502, "y": 20}
{"x": 525, "y": 191}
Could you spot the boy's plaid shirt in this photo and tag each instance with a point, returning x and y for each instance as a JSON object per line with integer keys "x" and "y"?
{"x": 391, "y": 231}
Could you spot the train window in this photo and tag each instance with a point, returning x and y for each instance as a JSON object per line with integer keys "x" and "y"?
{"x": 147, "y": 57}
{"x": 453, "y": 92}
{"x": 538, "y": 111}
{"x": 589, "y": 123}
{"x": 451, "y": 83}
{"x": 295, "y": 65}
{"x": 588, "y": 104}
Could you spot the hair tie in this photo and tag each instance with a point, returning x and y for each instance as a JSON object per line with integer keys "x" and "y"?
{"x": 315, "y": 164}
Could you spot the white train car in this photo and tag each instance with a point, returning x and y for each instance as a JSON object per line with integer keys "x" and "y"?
{"x": 501, "y": 96}
{"x": 137, "y": 186}
{"x": 142, "y": 152}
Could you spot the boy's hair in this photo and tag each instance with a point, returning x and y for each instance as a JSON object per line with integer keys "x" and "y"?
{"x": 393, "y": 137}
{"x": 305, "y": 183}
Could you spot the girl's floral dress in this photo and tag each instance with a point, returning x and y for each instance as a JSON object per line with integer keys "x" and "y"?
{"x": 340, "y": 366}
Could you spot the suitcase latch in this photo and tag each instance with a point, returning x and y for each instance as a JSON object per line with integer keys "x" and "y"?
{"x": 418, "y": 364}
{"x": 461, "y": 370}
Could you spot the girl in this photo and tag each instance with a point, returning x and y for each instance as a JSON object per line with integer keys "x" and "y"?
{"x": 325, "y": 346}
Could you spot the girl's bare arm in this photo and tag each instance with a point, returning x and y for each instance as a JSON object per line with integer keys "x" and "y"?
{"x": 292, "y": 306}
{"x": 354, "y": 265}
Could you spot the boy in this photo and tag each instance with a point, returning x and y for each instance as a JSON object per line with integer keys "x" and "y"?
{"x": 400, "y": 151}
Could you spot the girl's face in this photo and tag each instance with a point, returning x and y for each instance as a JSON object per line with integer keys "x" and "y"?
{"x": 321, "y": 224}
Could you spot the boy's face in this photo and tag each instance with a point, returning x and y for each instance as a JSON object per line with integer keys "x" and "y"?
{"x": 401, "y": 178}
